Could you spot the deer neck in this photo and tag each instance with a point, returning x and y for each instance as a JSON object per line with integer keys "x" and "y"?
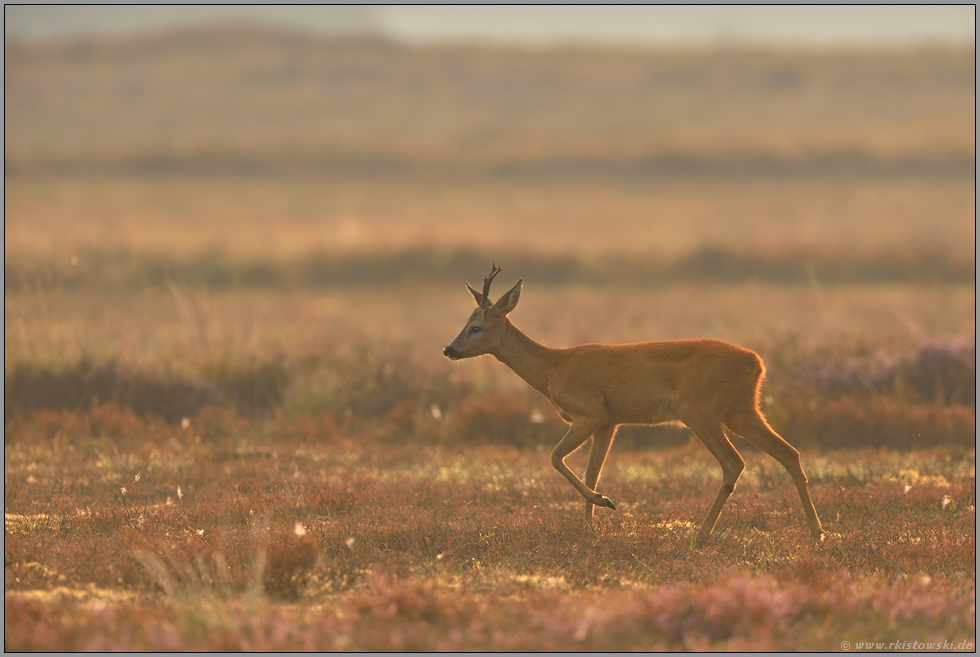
{"x": 531, "y": 361}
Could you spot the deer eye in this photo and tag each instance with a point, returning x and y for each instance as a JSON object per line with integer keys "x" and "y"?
{"x": 475, "y": 329}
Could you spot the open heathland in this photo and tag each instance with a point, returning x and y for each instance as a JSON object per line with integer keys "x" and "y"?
{"x": 233, "y": 259}
{"x": 223, "y": 533}
{"x": 248, "y": 474}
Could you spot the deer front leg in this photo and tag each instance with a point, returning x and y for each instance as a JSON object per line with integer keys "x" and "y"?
{"x": 577, "y": 434}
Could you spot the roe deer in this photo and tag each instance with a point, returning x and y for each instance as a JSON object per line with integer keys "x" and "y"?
{"x": 706, "y": 384}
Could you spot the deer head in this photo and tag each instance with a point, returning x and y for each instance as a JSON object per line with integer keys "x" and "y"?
{"x": 487, "y": 323}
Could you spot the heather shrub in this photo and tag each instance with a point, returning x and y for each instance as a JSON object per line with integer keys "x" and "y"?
{"x": 216, "y": 423}
{"x": 76, "y": 387}
{"x": 253, "y": 387}
{"x": 944, "y": 373}
{"x": 112, "y": 421}
{"x": 290, "y": 559}
{"x": 21, "y": 571}
{"x": 935, "y": 372}
{"x": 43, "y": 424}
{"x": 304, "y": 428}
{"x": 881, "y": 422}
{"x": 502, "y": 418}
{"x": 385, "y": 601}
{"x": 366, "y": 383}
{"x": 325, "y": 500}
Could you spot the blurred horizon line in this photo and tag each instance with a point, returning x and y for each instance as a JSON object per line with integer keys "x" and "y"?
{"x": 686, "y": 27}
{"x": 674, "y": 164}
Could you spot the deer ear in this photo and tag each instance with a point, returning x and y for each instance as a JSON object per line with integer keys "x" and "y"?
{"x": 476, "y": 295}
{"x": 509, "y": 300}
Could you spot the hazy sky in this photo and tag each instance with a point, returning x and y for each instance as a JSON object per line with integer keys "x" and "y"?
{"x": 644, "y": 25}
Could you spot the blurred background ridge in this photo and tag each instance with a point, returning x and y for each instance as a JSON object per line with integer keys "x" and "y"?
{"x": 699, "y": 26}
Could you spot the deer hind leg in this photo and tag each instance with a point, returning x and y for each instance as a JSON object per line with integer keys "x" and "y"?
{"x": 750, "y": 424}
{"x": 577, "y": 434}
{"x": 713, "y": 436}
{"x": 601, "y": 441}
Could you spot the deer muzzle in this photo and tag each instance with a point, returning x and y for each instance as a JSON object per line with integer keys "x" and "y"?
{"x": 451, "y": 353}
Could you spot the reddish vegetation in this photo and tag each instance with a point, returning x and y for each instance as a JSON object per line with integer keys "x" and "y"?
{"x": 885, "y": 422}
{"x": 923, "y": 398}
{"x": 448, "y": 546}
{"x": 741, "y": 613}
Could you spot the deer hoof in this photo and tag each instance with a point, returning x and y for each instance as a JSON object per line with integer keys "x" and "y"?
{"x": 606, "y": 502}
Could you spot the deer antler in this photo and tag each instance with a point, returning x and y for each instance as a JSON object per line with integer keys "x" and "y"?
{"x": 486, "y": 285}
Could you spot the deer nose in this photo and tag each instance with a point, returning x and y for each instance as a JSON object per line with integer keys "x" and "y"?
{"x": 449, "y": 352}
